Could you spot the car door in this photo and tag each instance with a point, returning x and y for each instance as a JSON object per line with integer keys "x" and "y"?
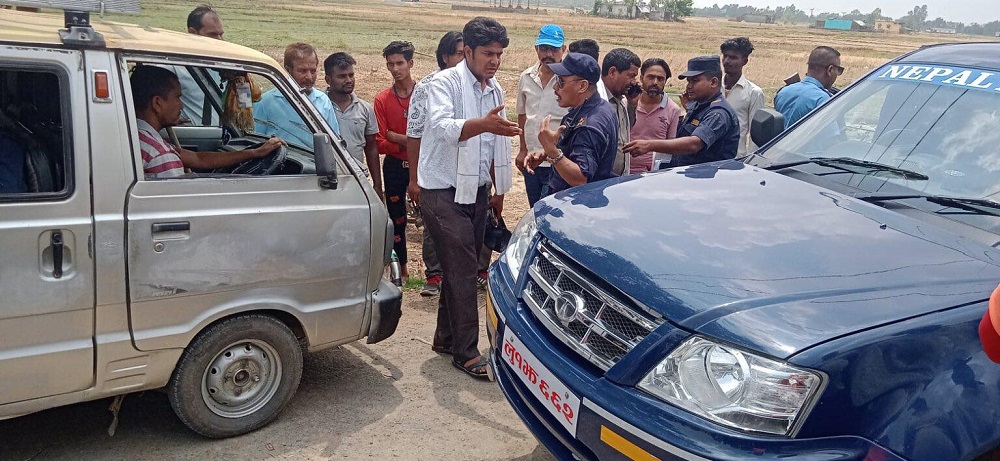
{"x": 47, "y": 298}
{"x": 204, "y": 246}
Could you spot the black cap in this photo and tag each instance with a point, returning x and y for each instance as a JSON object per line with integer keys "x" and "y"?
{"x": 578, "y": 64}
{"x": 700, "y": 65}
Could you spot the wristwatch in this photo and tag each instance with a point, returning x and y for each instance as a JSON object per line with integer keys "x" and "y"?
{"x": 556, "y": 159}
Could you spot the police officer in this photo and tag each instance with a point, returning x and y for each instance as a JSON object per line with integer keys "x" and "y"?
{"x": 584, "y": 147}
{"x": 710, "y": 131}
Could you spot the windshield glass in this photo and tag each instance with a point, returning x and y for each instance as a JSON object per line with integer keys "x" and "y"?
{"x": 942, "y": 122}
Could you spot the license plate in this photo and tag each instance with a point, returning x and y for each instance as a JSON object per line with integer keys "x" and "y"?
{"x": 554, "y": 395}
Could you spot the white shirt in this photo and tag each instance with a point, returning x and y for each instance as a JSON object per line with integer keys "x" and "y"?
{"x": 417, "y": 116}
{"x": 746, "y": 98}
{"x": 535, "y": 101}
{"x": 438, "y": 165}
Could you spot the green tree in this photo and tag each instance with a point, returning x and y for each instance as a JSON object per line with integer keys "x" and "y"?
{"x": 679, "y": 8}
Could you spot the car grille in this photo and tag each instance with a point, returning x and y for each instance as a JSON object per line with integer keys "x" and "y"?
{"x": 586, "y": 318}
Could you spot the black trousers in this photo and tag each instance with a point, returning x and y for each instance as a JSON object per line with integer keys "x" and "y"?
{"x": 395, "y": 179}
{"x": 457, "y": 232}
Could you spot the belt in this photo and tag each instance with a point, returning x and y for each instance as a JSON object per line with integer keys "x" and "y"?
{"x": 404, "y": 163}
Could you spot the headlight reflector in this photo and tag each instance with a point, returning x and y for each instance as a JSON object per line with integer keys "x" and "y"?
{"x": 732, "y": 387}
{"x": 520, "y": 242}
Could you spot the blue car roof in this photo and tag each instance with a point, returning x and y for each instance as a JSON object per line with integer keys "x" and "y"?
{"x": 977, "y": 55}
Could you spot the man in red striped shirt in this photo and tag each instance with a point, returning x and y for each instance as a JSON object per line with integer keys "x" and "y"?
{"x": 157, "y": 96}
{"x": 392, "y": 107}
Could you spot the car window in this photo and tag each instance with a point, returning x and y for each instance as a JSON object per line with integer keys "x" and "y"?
{"x": 949, "y": 132}
{"x": 35, "y": 154}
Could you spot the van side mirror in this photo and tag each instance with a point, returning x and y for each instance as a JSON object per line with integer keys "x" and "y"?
{"x": 766, "y": 125}
{"x": 326, "y": 160}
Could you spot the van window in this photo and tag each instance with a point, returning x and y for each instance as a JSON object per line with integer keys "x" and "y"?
{"x": 34, "y": 151}
{"x": 218, "y": 111}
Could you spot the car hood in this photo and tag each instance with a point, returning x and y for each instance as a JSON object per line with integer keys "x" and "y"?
{"x": 761, "y": 260}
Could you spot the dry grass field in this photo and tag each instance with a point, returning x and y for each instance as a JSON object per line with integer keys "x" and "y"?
{"x": 364, "y": 27}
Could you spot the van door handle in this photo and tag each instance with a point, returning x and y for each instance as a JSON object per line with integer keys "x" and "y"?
{"x": 171, "y": 227}
{"x": 166, "y": 231}
{"x": 56, "y": 240}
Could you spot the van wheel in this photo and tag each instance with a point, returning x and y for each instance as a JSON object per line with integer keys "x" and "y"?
{"x": 236, "y": 376}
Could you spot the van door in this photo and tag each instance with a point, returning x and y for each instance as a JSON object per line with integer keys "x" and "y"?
{"x": 46, "y": 271}
{"x": 210, "y": 244}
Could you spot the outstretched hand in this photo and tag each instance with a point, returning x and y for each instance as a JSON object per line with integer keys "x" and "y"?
{"x": 499, "y": 125}
{"x": 638, "y": 147}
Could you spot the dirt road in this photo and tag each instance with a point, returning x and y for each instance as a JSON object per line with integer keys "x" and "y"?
{"x": 392, "y": 400}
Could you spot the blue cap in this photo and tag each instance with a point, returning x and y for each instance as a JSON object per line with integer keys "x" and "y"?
{"x": 700, "y": 65}
{"x": 578, "y": 64}
{"x": 551, "y": 35}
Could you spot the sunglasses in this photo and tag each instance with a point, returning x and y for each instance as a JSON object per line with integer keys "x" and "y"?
{"x": 840, "y": 69}
{"x": 561, "y": 83}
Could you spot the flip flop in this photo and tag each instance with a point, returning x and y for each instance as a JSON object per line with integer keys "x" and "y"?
{"x": 441, "y": 349}
{"x": 476, "y": 370}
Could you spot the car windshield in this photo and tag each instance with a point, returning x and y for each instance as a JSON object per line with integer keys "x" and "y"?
{"x": 942, "y": 124}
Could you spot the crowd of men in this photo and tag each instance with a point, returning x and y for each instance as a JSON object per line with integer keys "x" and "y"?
{"x": 443, "y": 143}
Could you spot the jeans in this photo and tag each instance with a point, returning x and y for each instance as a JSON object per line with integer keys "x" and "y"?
{"x": 395, "y": 179}
{"x": 537, "y": 185}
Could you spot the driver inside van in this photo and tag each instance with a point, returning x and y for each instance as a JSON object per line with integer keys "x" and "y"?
{"x": 157, "y": 95}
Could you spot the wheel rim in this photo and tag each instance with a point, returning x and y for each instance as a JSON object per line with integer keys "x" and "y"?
{"x": 241, "y": 379}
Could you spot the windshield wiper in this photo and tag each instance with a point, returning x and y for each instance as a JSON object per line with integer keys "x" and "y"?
{"x": 839, "y": 162}
{"x": 977, "y": 205}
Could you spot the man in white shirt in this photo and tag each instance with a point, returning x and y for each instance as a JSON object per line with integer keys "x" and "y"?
{"x": 618, "y": 73}
{"x": 536, "y": 99}
{"x": 466, "y": 147}
{"x": 745, "y": 97}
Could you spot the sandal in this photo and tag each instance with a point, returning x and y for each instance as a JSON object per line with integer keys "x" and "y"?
{"x": 441, "y": 349}
{"x": 476, "y": 370}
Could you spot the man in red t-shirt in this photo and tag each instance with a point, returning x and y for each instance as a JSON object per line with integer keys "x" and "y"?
{"x": 392, "y": 107}
{"x": 989, "y": 328}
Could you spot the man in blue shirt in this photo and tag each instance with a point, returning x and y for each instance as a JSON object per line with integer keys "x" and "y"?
{"x": 276, "y": 116}
{"x": 798, "y": 99}
{"x": 711, "y": 129}
{"x": 584, "y": 147}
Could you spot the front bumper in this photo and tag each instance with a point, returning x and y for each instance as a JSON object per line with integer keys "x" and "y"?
{"x": 387, "y": 308}
{"x": 617, "y": 421}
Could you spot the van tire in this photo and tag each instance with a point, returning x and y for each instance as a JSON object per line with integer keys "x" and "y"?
{"x": 236, "y": 376}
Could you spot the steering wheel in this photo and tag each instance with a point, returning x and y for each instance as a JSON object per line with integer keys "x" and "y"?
{"x": 261, "y": 166}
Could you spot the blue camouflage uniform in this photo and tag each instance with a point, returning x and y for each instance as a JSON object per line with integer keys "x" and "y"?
{"x": 715, "y": 123}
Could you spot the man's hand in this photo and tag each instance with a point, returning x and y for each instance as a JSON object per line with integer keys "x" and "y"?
{"x": 685, "y": 99}
{"x": 638, "y": 147}
{"x": 413, "y": 190}
{"x": 496, "y": 203}
{"x": 533, "y": 160}
{"x": 519, "y": 160}
{"x": 547, "y": 137}
{"x": 499, "y": 125}
{"x": 268, "y": 146}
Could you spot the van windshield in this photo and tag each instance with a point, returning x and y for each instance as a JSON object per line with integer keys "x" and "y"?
{"x": 942, "y": 123}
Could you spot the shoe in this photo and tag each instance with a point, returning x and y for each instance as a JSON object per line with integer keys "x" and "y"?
{"x": 481, "y": 280}
{"x": 432, "y": 287}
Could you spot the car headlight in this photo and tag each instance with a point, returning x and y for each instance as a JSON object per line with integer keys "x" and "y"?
{"x": 733, "y": 387}
{"x": 520, "y": 243}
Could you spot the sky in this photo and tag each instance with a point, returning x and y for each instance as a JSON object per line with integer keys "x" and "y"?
{"x": 967, "y": 11}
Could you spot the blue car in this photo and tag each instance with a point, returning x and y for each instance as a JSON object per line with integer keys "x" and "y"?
{"x": 818, "y": 299}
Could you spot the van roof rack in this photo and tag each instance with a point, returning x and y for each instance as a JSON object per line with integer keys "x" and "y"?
{"x": 78, "y": 31}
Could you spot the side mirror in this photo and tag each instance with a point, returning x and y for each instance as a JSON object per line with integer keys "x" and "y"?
{"x": 326, "y": 160}
{"x": 766, "y": 125}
